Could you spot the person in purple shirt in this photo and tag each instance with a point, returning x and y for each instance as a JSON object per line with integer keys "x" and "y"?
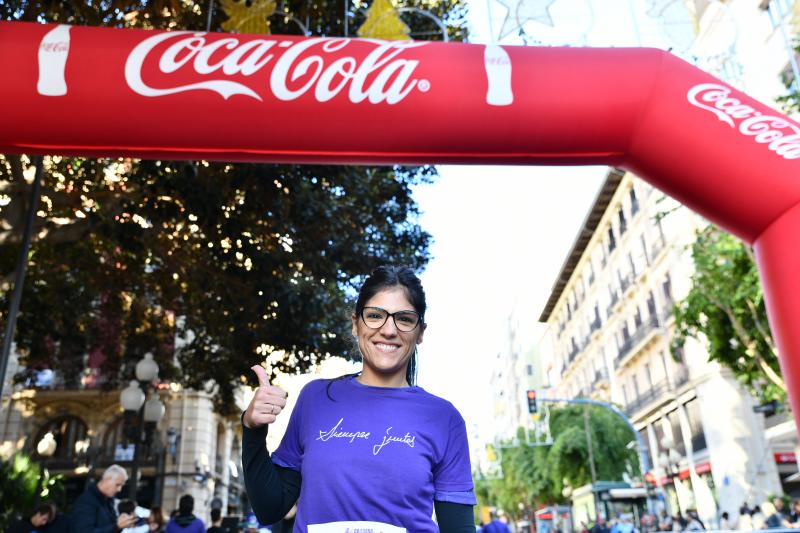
{"x": 369, "y": 451}
{"x": 186, "y": 521}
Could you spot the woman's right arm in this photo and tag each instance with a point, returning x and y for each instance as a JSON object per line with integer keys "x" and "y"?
{"x": 272, "y": 489}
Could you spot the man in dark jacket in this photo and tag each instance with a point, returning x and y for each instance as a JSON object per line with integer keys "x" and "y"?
{"x": 94, "y": 511}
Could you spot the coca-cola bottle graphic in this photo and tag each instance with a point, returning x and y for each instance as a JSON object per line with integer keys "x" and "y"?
{"x": 53, "y": 52}
{"x": 498, "y": 75}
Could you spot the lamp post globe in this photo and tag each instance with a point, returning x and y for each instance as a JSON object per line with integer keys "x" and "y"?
{"x": 147, "y": 369}
{"x": 132, "y": 397}
{"x": 153, "y": 410}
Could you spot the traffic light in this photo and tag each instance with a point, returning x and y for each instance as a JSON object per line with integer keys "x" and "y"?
{"x": 533, "y": 408}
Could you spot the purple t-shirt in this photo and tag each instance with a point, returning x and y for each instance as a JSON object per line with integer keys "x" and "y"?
{"x": 374, "y": 454}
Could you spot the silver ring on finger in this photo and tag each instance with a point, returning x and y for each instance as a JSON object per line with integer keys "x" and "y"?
{"x": 271, "y": 409}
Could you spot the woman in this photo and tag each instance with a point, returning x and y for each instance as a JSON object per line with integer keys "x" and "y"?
{"x": 155, "y": 521}
{"x": 369, "y": 450}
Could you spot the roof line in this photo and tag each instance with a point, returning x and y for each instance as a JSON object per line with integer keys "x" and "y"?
{"x": 590, "y": 223}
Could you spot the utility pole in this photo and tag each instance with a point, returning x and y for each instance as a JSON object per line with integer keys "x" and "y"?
{"x": 589, "y": 442}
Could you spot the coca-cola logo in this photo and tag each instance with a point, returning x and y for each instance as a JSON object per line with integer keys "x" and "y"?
{"x": 314, "y": 66}
{"x": 61, "y": 46}
{"x": 778, "y": 133}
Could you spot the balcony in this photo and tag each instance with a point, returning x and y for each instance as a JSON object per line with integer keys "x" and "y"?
{"x": 657, "y": 391}
{"x": 614, "y": 300}
{"x": 666, "y": 311}
{"x": 626, "y": 282}
{"x": 634, "y": 340}
{"x": 600, "y": 376}
{"x": 680, "y": 376}
{"x": 656, "y": 249}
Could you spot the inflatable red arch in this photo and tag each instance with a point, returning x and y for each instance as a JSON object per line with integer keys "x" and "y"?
{"x": 216, "y": 96}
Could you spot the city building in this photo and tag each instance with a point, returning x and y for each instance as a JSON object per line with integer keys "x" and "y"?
{"x": 193, "y": 450}
{"x": 610, "y": 323}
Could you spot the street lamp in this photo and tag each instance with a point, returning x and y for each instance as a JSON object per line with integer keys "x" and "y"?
{"x": 670, "y": 461}
{"x": 141, "y": 415}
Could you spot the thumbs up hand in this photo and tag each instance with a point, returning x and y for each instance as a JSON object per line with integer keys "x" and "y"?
{"x": 267, "y": 403}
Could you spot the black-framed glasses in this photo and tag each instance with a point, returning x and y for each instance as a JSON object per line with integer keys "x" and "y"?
{"x": 375, "y": 318}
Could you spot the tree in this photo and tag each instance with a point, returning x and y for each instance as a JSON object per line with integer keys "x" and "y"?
{"x": 538, "y": 474}
{"x": 210, "y": 266}
{"x": 19, "y": 480}
{"x": 726, "y": 307}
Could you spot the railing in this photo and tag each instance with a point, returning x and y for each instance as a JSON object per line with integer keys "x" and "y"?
{"x": 656, "y": 249}
{"x": 614, "y": 300}
{"x": 658, "y": 390}
{"x": 639, "y": 335}
{"x": 47, "y": 379}
{"x": 600, "y": 375}
{"x": 666, "y": 311}
{"x": 626, "y": 282}
{"x": 680, "y": 375}
{"x": 573, "y": 353}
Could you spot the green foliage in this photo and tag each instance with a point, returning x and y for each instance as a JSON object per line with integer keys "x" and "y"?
{"x": 537, "y": 475}
{"x": 236, "y": 261}
{"x": 726, "y": 306}
{"x": 19, "y": 476}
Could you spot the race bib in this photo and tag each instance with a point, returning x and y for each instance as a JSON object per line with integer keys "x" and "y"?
{"x": 355, "y": 527}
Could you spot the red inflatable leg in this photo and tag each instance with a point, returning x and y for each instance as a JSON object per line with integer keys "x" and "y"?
{"x": 778, "y": 254}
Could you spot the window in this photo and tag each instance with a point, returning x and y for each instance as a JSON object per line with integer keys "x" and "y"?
{"x": 625, "y": 333}
{"x": 623, "y": 224}
{"x": 698, "y": 437}
{"x": 651, "y": 304}
{"x": 634, "y": 202}
{"x": 649, "y": 375}
{"x": 667, "y": 287}
{"x": 529, "y": 370}
{"x": 646, "y": 442}
{"x": 612, "y": 242}
{"x": 67, "y": 431}
{"x": 677, "y": 435}
{"x": 637, "y": 318}
{"x": 778, "y": 10}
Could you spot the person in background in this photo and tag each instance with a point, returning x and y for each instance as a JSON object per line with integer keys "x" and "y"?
{"x": 186, "y": 521}
{"x": 495, "y": 525}
{"x": 745, "y": 522}
{"x": 794, "y": 515}
{"x": 216, "y": 521}
{"x": 774, "y": 513}
{"x": 155, "y": 521}
{"x": 41, "y": 516}
{"x": 94, "y": 510}
{"x": 127, "y": 506}
{"x": 600, "y": 525}
{"x": 724, "y": 521}
{"x": 694, "y": 523}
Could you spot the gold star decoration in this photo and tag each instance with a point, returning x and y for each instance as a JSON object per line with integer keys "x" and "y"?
{"x": 244, "y": 19}
{"x": 521, "y": 11}
{"x": 383, "y": 22}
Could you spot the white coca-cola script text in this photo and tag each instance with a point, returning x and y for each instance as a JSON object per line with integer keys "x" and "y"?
{"x": 314, "y": 66}
{"x": 779, "y": 134}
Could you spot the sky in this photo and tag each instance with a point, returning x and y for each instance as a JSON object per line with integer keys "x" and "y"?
{"x": 501, "y": 234}
{"x": 500, "y": 237}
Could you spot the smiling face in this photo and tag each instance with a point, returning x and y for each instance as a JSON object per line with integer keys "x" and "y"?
{"x": 386, "y": 350}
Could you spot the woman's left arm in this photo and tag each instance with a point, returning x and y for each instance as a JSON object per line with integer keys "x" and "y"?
{"x": 454, "y": 517}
